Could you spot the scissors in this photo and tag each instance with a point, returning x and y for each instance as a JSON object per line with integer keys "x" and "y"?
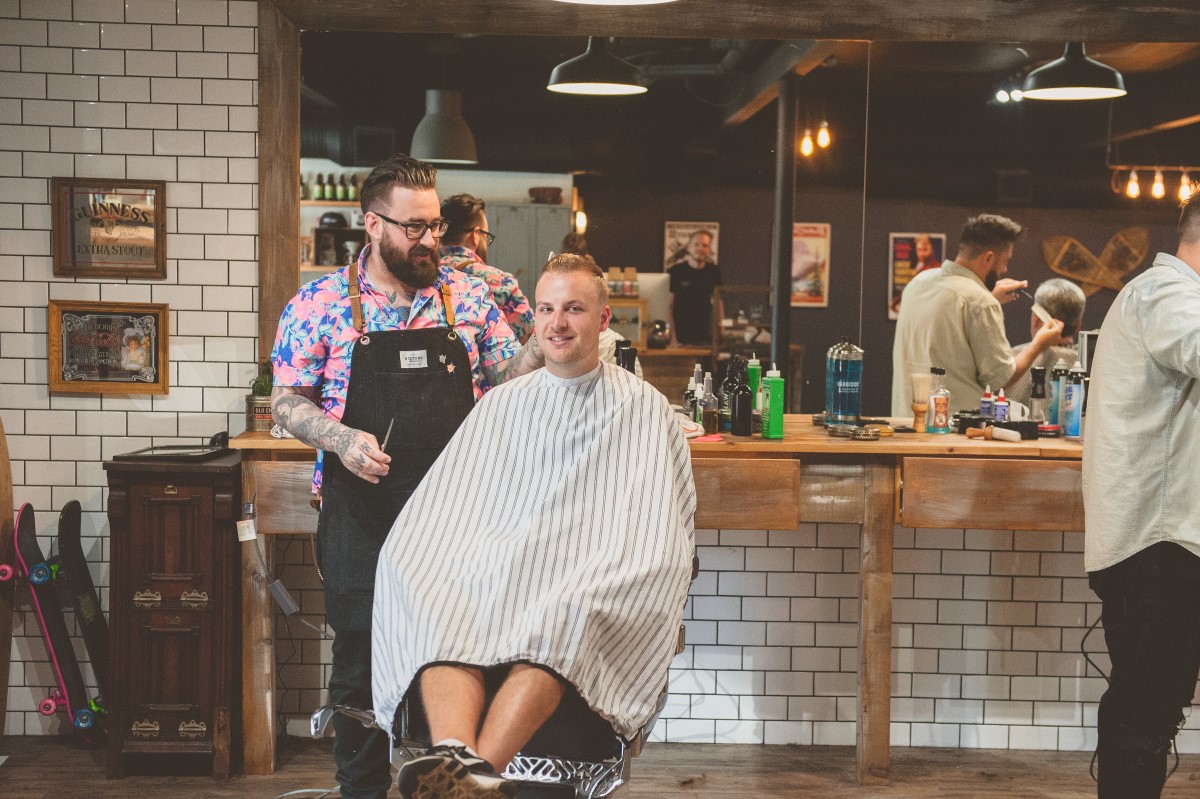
{"x": 388, "y": 434}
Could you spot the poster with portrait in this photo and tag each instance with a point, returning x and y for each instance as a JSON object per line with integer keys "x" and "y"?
{"x": 108, "y": 347}
{"x": 690, "y": 241}
{"x": 910, "y": 254}
{"x": 810, "y": 264}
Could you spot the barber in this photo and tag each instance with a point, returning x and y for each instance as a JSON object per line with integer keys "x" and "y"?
{"x": 376, "y": 365}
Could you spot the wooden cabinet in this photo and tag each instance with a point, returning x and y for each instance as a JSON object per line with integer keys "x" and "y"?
{"x": 174, "y": 601}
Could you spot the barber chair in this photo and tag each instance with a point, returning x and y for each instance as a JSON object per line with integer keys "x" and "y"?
{"x": 575, "y": 755}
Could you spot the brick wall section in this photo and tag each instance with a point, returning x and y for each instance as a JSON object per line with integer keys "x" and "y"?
{"x": 153, "y": 89}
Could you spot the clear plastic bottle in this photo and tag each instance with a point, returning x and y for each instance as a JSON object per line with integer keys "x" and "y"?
{"x": 843, "y": 383}
{"x": 1073, "y": 402}
{"x": 689, "y": 397}
{"x": 938, "y": 418}
{"x": 1058, "y": 381}
{"x": 707, "y": 407}
{"x": 1037, "y": 394}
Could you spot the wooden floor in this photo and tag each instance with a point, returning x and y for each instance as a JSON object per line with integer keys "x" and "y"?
{"x": 60, "y": 768}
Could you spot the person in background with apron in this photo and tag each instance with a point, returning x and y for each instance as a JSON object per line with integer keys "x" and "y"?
{"x": 376, "y": 365}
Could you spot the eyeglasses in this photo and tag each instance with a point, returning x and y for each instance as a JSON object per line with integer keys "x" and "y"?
{"x": 416, "y": 230}
{"x": 487, "y": 235}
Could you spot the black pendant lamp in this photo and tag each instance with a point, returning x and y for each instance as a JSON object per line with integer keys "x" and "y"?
{"x": 1074, "y": 77}
{"x": 596, "y": 72}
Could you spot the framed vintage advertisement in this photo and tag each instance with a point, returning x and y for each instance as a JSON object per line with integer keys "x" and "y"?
{"x": 810, "y": 264}
{"x": 910, "y": 254}
{"x": 109, "y": 228}
{"x": 108, "y": 347}
{"x": 696, "y": 242}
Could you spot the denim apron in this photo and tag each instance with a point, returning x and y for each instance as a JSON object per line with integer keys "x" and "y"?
{"x": 419, "y": 383}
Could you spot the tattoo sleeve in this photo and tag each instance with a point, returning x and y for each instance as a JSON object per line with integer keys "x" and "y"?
{"x": 294, "y": 408}
{"x": 527, "y": 359}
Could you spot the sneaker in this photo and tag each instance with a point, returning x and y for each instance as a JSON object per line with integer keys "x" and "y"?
{"x": 452, "y": 772}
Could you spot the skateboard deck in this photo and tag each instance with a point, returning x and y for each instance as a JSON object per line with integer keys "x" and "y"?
{"x": 6, "y": 587}
{"x": 77, "y": 592}
{"x": 70, "y": 695}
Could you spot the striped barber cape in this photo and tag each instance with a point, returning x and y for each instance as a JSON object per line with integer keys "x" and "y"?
{"x": 555, "y": 528}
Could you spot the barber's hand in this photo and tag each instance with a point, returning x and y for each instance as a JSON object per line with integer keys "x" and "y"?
{"x": 1049, "y": 335}
{"x": 1006, "y": 289}
{"x": 360, "y": 453}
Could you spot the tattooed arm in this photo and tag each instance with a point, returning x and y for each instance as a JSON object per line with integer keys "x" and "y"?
{"x": 526, "y": 359}
{"x": 295, "y": 409}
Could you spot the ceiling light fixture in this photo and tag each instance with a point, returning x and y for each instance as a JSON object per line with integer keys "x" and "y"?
{"x": 1132, "y": 189}
{"x": 442, "y": 137}
{"x": 1074, "y": 77}
{"x": 823, "y": 138}
{"x": 1002, "y": 96}
{"x": 1185, "y": 188}
{"x": 596, "y": 72}
{"x": 1157, "y": 189}
{"x": 806, "y": 144}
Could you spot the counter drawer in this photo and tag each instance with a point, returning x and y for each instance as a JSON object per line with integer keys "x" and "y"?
{"x": 747, "y": 493}
{"x": 992, "y": 494}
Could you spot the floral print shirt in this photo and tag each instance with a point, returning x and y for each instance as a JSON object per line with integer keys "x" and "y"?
{"x": 505, "y": 290}
{"x": 313, "y": 345}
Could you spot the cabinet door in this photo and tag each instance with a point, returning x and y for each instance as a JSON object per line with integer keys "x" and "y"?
{"x": 170, "y": 548}
{"x": 525, "y": 235}
{"x": 172, "y": 699}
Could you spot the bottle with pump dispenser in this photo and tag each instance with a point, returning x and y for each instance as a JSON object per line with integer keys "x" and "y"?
{"x": 706, "y": 408}
{"x": 1073, "y": 402}
{"x": 843, "y": 383}
{"x": 938, "y": 418}
{"x": 772, "y": 411}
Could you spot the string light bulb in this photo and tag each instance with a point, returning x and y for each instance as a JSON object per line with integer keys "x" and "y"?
{"x": 1157, "y": 189}
{"x": 806, "y": 144}
{"x": 1132, "y": 189}
{"x": 823, "y": 138}
{"x": 1185, "y": 188}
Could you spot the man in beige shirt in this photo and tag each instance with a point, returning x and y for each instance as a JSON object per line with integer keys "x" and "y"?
{"x": 951, "y": 317}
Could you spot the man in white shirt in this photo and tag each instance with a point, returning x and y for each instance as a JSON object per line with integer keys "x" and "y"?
{"x": 951, "y": 317}
{"x": 1142, "y": 543}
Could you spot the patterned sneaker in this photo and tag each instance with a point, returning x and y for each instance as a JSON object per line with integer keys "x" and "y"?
{"x": 452, "y": 772}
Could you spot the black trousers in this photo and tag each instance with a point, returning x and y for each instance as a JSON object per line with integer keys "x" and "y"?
{"x": 1151, "y": 616}
{"x": 361, "y": 753}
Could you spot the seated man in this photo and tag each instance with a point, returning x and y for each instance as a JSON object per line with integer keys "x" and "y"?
{"x": 1064, "y": 301}
{"x": 565, "y": 557}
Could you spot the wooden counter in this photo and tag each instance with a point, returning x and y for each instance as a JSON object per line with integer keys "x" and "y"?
{"x": 916, "y": 480}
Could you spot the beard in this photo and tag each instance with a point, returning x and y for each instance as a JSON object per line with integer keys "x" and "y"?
{"x": 989, "y": 280}
{"x": 418, "y": 268}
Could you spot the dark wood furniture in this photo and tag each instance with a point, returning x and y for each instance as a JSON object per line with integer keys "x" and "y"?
{"x": 175, "y": 605}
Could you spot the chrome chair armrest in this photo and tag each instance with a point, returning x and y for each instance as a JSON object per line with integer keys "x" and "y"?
{"x": 321, "y": 717}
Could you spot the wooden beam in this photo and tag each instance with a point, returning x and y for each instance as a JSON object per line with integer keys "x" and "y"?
{"x": 875, "y": 624}
{"x": 278, "y": 168}
{"x": 917, "y": 20}
{"x": 753, "y": 91}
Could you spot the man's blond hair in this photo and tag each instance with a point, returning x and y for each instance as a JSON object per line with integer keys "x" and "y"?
{"x": 567, "y": 262}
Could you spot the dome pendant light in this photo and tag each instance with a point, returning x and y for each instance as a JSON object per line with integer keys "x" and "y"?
{"x": 442, "y": 137}
{"x": 1074, "y": 77}
{"x": 596, "y": 72}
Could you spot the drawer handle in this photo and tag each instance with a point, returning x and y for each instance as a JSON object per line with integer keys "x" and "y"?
{"x": 173, "y": 619}
{"x": 192, "y": 729}
{"x": 147, "y": 599}
{"x": 194, "y": 599}
{"x": 170, "y": 490}
{"x": 157, "y": 630}
{"x": 160, "y": 577}
{"x": 168, "y": 708}
{"x": 144, "y": 729}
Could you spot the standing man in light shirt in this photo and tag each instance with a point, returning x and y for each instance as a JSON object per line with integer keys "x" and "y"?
{"x": 951, "y": 317}
{"x": 1141, "y": 458}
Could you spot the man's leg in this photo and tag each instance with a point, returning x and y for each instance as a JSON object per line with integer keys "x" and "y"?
{"x": 361, "y": 753}
{"x": 453, "y": 697}
{"x": 1150, "y": 615}
{"x": 524, "y": 702}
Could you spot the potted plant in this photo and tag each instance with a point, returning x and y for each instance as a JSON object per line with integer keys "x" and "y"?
{"x": 258, "y": 403}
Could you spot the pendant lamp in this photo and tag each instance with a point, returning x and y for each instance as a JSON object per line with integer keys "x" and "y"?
{"x": 1074, "y": 77}
{"x": 597, "y": 71}
{"x": 443, "y": 137}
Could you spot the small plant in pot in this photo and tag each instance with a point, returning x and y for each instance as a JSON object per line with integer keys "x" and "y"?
{"x": 258, "y": 403}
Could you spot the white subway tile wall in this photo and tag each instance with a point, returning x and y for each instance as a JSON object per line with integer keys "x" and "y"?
{"x": 123, "y": 89}
{"x": 988, "y": 623}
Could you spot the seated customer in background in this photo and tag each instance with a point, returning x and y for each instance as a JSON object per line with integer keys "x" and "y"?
{"x": 569, "y": 564}
{"x": 1064, "y": 301}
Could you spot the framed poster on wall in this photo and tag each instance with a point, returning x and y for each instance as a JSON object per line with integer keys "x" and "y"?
{"x": 108, "y": 347}
{"x": 108, "y": 228}
{"x": 810, "y": 264}
{"x": 910, "y": 254}
{"x": 697, "y": 241}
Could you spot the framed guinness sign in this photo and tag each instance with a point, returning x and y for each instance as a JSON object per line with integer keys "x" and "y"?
{"x": 108, "y": 347}
{"x": 109, "y": 228}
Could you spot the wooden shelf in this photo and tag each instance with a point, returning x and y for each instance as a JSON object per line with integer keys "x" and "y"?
{"x": 331, "y": 203}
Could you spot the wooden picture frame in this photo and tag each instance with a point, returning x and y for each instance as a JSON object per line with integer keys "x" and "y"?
{"x": 108, "y": 347}
{"x": 102, "y": 227}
